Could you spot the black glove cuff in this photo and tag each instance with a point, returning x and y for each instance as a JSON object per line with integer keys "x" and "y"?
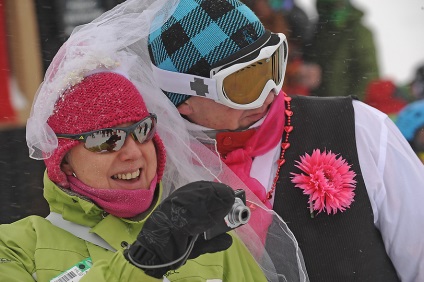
{"x": 142, "y": 258}
{"x": 137, "y": 254}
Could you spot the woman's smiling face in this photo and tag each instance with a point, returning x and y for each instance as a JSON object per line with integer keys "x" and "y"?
{"x": 132, "y": 167}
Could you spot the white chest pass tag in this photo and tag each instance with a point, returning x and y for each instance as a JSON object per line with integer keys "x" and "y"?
{"x": 75, "y": 273}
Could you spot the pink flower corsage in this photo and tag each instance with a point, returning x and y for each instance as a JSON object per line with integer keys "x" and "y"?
{"x": 328, "y": 181}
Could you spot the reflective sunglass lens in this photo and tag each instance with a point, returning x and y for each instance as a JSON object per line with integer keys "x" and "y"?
{"x": 105, "y": 141}
{"x": 144, "y": 131}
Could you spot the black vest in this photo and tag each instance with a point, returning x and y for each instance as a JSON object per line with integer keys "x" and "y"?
{"x": 345, "y": 246}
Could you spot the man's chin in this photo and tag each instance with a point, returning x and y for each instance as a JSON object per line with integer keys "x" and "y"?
{"x": 248, "y": 125}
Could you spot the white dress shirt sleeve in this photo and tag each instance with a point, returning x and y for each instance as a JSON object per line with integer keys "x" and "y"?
{"x": 394, "y": 177}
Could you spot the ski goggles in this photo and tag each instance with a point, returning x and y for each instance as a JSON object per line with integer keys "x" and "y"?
{"x": 241, "y": 81}
{"x": 112, "y": 139}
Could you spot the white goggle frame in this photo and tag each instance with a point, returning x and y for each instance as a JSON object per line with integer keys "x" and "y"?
{"x": 212, "y": 88}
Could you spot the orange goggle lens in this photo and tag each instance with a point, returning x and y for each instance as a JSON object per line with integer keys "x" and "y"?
{"x": 246, "y": 85}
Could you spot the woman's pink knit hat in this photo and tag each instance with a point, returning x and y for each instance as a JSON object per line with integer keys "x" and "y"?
{"x": 100, "y": 100}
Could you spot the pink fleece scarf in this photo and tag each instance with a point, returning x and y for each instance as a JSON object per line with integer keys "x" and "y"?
{"x": 264, "y": 139}
{"x": 120, "y": 203}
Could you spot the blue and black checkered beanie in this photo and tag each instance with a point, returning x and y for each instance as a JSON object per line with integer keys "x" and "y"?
{"x": 201, "y": 33}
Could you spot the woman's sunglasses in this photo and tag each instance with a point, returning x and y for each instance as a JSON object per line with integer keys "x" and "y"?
{"x": 112, "y": 139}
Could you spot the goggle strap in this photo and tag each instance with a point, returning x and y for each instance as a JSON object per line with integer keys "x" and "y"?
{"x": 241, "y": 55}
{"x": 183, "y": 83}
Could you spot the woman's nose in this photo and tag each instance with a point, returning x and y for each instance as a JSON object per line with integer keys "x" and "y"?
{"x": 130, "y": 149}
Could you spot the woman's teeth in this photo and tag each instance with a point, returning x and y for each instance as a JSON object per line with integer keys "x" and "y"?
{"x": 127, "y": 176}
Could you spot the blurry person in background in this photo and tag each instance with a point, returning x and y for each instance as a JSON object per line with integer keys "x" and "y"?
{"x": 344, "y": 48}
{"x": 414, "y": 89}
{"x": 286, "y": 17}
{"x": 385, "y": 96}
{"x": 417, "y": 84}
{"x": 271, "y": 13}
{"x": 411, "y": 123}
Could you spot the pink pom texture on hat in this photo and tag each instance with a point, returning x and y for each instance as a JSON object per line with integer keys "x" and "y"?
{"x": 99, "y": 101}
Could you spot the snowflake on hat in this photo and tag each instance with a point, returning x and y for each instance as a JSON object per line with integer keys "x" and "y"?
{"x": 327, "y": 179}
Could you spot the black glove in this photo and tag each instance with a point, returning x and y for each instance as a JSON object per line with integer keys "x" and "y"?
{"x": 170, "y": 235}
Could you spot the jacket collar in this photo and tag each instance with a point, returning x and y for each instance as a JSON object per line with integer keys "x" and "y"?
{"x": 81, "y": 210}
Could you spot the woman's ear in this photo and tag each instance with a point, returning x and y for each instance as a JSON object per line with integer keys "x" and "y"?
{"x": 185, "y": 108}
{"x": 65, "y": 166}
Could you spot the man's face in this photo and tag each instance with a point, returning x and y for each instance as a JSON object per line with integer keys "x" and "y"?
{"x": 210, "y": 114}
